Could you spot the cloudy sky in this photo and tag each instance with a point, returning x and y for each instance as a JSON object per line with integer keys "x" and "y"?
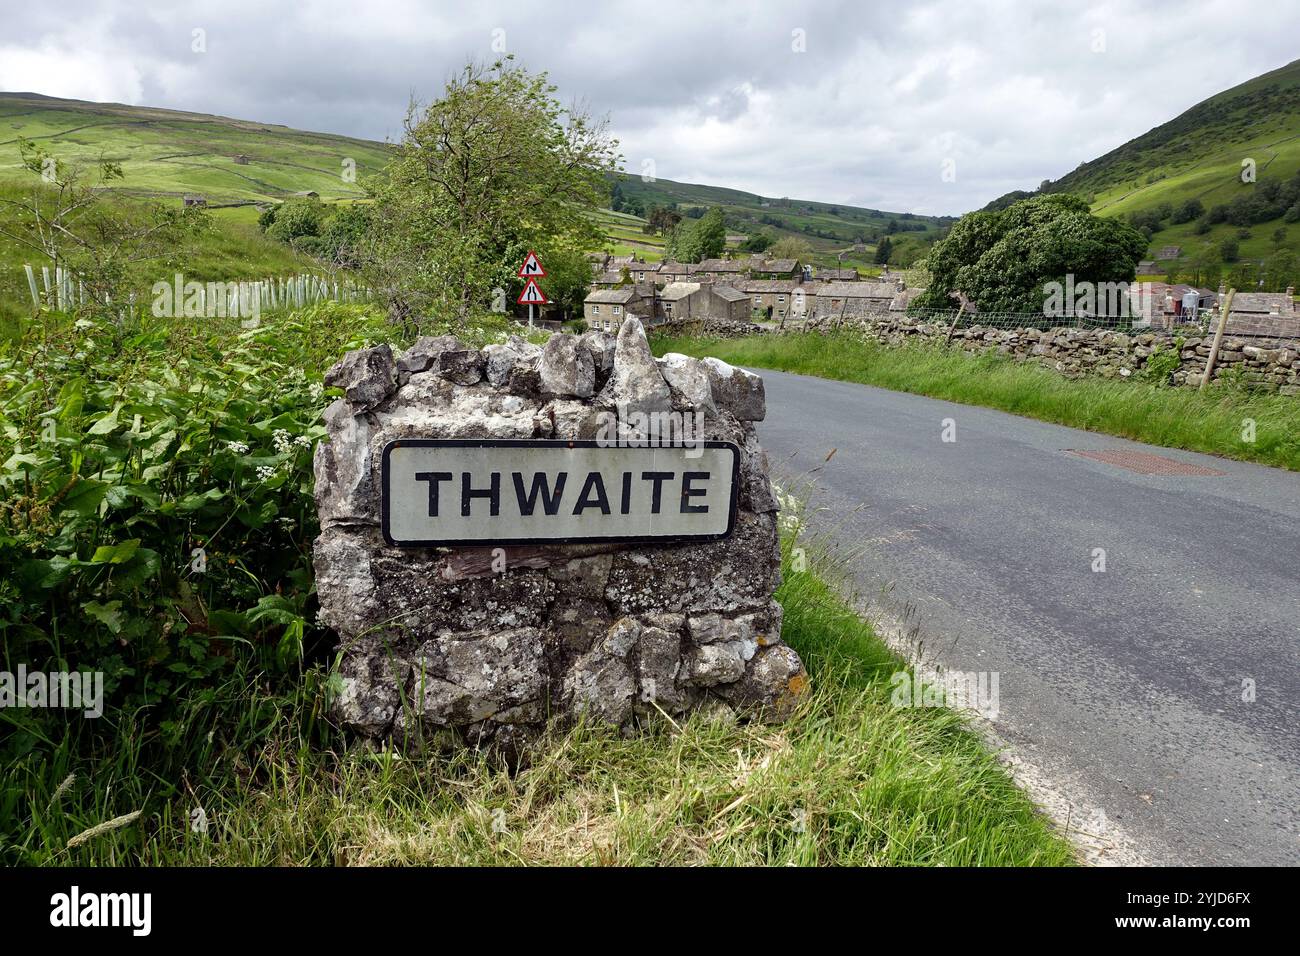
{"x": 863, "y": 103}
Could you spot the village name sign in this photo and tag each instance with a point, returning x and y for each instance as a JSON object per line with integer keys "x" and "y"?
{"x": 458, "y": 492}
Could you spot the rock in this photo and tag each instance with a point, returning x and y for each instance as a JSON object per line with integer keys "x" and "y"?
{"x": 635, "y": 385}
{"x": 565, "y": 369}
{"x": 601, "y": 346}
{"x": 736, "y": 390}
{"x": 689, "y": 379}
{"x": 423, "y": 355}
{"x": 464, "y": 678}
{"x": 367, "y": 376}
{"x": 461, "y": 366}
{"x": 345, "y": 490}
{"x": 498, "y": 360}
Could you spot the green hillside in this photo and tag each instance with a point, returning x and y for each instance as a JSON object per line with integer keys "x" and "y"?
{"x": 830, "y": 228}
{"x": 1196, "y": 158}
{"x": 170, "y": 153}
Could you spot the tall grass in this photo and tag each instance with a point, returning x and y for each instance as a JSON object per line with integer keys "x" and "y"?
{"x": 850, "y": 780}
{"x": 1212, "y": 421}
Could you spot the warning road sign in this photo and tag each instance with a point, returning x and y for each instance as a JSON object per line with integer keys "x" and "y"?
{"x": 532, "y": 267}
{"x": 532, "y": 294}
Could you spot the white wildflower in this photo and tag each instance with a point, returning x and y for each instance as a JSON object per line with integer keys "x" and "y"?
{"x": 265, "y": 472}
{"x": 238, "y": 447}
{"x": 282, "y": 441}
{"x": 302, "y": 441}
{"x": 316, "y": 390}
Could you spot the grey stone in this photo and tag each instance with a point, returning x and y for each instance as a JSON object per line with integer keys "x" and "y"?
{"x": 461, "y": 366}
{"x": 736, "y": 390}
{"x": 367, "y": 376}
{"x": 498, "y": 360}
{"x": 635, "y": 386}
{"x": 423, "y": 355}
{"x": 689, "y": 379}
{"x": 565, "y": 369}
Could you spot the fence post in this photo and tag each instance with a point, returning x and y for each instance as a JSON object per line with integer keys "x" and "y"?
{"x": 31, "y": 284}
{"x": 1218, "y": 340}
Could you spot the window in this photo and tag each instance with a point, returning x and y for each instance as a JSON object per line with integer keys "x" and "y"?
{"x": 595, "y": 310}
{"x": 618, "y": 310}
{"x": 758, "y": 300}
{"x": 780, "y": 298}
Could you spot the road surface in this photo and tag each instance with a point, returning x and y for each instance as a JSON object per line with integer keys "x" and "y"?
{"x": 1128, "y": 688}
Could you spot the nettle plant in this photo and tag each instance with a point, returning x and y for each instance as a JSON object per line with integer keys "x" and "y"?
{"x": 156, "y": 511}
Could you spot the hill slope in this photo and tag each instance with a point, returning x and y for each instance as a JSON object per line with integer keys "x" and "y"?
{"x": 168, "y": 152}
{"x": 1198, "y": 156}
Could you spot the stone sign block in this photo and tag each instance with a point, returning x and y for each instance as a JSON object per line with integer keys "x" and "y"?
{"x": 493, "y": 639}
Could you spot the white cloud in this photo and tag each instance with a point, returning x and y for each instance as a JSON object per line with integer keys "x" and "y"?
{"x": 1011, "y": 93}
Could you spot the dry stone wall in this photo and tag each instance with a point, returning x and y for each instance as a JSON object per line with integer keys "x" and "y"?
{"x": 1262, "y": 363}
{"x": 491, "y": 643}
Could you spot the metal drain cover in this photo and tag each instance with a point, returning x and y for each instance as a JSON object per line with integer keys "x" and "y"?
{"x": 1145, "y": 463}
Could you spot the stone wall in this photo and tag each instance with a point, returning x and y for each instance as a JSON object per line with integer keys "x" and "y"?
{"x": 491, "y": 643}
{"x": 1263, "y": 363}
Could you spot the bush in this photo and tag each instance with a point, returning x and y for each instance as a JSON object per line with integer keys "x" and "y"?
{"x": 156, "y": 510}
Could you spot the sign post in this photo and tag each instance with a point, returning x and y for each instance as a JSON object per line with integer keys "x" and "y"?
{"x": 532, "y": 295}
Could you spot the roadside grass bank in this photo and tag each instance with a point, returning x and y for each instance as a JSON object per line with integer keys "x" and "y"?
{"x": 850, "y": 780}
{"x": 1214, "y": 422}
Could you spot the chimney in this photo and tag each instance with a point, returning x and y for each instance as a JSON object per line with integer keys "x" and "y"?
{"x": 899, "y": 284}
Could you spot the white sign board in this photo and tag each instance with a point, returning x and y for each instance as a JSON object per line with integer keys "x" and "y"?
{"x": 486, "y": 492}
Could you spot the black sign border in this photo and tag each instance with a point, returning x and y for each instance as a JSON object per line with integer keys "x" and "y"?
{"x": 732, "y": 507}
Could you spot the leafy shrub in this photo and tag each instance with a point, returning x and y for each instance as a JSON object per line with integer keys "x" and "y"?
{"x": 156, "y": 509}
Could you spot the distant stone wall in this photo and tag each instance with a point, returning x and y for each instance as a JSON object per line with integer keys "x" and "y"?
{"x": 1266, "y": 364}
{"x": 491, "y": 643}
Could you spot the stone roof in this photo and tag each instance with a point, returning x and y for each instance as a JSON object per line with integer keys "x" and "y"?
{"x": 728, "y": 293}
{"x": 838, "y": 275}
{"x": 721, "y": 265}
{"x": 863, "y": 290}
{"x": 608, "y": 278}
{"x": 778, "y": 265}
{"x": 770, "y": 286}
{"x": 617, "y": 296}
{"x": 1263, "y": 302}
{"x": 678, "y": 290}
{"x": 670, "y": 267}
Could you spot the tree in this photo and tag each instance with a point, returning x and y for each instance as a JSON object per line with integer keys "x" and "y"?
{"x": 101, "y": 240}
{"x": 758, "y": 241}
{"x": 883, "y": 250}
{"x": 1229, "y": 248}
{"x": 296, "y": 218}
{"x": 704, "y": 238}
{"x": 1002, "y": 260}
{"x": 1192, "y": 209}
{"x": 791, "y": 247}
{"x": 662, "y": 218}
{"x": 493, "y": 168}
{"x": 567, "y": 279}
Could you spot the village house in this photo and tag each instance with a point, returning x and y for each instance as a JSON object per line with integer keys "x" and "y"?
{"x": 836, "y": 275}
{"x": 194, "y": 200}
{"x": 779, "y": 299}
{"x": 1271, "y": 314}
{"x": 761, "y": 268}
{"x": 719, "y": 269}
{"x": 605, "y": 309}
{"x": 856, "y": 299}
{"x": 696, "y": 301}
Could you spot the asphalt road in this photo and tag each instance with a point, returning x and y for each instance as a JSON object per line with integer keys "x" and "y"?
{"x": 1125, "y": 686}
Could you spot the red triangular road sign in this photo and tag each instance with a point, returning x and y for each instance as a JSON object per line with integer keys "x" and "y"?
{"x": 532, "y": 294}
{"x": 532, "y": 267}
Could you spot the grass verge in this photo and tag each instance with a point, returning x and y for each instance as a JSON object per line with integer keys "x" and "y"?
{"x": 1213, "y": 422}
{"x": 852, "y": 780}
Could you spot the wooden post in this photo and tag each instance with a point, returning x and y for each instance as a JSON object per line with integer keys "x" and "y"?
{"x": 955, "y": 319}
{"x": 1218, "y": 339}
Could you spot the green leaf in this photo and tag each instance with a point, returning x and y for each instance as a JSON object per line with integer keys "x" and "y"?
{"x": 109, "y": 614}
{"x": 107, "y": 423}
{"x": 116, "y": 553}
{"x": 85, "y": 497}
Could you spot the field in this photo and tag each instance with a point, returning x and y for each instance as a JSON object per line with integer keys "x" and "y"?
{"x": 170, "y": 153}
